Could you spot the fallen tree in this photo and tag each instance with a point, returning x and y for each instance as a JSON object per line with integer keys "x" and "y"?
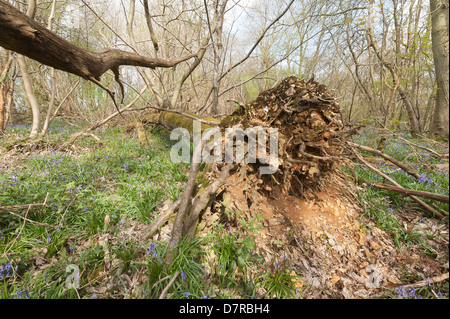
{"x": 429, "y": 195}
{"x": 312, "y": 145}
{"x": 305, "y": 117}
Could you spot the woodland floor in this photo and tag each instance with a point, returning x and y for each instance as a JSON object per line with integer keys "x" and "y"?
{"x": 330, "y": 244}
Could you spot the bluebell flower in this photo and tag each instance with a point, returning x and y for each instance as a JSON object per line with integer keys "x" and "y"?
{"x": 152, "y": 249}
{"x": 423, "y": 178}
{"x": 411, "y": 292}
{"x": 7, "y": 270}
{"x": 183, "y": 274}
{"x": 21, "y": 294}
{"x": 187, "y": 294}
{"x": 401, "y": 292}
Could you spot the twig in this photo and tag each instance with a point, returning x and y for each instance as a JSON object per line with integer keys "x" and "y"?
{"x": 422, "y": 203}
{"x": 433, "y": 196}
{"x": 160, "y": 281}
{"x": 162, "y": 219}
{"x": 403, "y": 166}
{"x": 163, "y": 294}
{"x": 7, "y": 208}
{"x": 432, "y": 152}
{"x": 100, "y": 123}
{"x": 32, "y": 221}
{"x": 18, "y": 234}
{"x": 426, "y": 282}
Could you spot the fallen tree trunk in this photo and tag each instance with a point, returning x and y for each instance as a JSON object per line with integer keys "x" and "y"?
{"x": 172, "y": 119}
{"x": 423, "y": 194}
{"x": 303, "y": 113}
{"x": 418, "y": 200}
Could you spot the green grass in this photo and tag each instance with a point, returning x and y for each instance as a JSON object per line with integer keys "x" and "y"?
{"x": 119, "y": 180}
{"x": 98, "y": 192}
{"x": 431, "y": 180}
{"x": 389, "y": 209}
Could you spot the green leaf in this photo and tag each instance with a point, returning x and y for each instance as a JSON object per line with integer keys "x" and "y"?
{"x": 241, "y": 261}
{"x": 233, "y": 266}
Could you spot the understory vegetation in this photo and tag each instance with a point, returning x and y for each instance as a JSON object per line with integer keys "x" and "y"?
{"x": 88, "y": 206}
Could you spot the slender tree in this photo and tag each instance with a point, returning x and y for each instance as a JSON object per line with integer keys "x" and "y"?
{"x": 439, "y": 32}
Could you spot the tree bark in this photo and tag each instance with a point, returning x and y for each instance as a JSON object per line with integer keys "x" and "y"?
{"x": 32, "y": 100}
{"x": 440, "y": 45}
{"x": 52, "y": 79}
{"x": 4, "y": 90}
{"x": 433, "y": 196}
{"x": 25, "y": 36}
{"x": 26, "y": 79}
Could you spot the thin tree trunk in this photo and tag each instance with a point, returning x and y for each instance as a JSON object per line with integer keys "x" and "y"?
{"x": 52, "y": 79}
{"x": 148, "y": 18}
{"x": 219, "y": 12}
{"x": 4, "y": 88}
{"x": 26, "y": 80}
{"x": 413, "y": 121}
{"x": 28, "y": 88}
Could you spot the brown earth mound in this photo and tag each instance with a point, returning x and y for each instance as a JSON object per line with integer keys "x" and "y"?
{"x": 308, "y": 208}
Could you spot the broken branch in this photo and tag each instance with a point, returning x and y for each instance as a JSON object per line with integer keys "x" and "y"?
{"x": 433, "y": 196}
{"x": 403, "y": 166}
{"x": 427, "y": 207}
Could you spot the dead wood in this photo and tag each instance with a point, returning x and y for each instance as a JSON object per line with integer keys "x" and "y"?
{"x": 31, "y": 221}
{"x": 25, "y": 206}
{"x": 184, "y": 204}
{"x": 19, "y": 207}
{"x": 202, "y": 200}
{"x": 423, "y": 194}
{"x": 427, "y": 207}
{"x": 427, "y": 281}
{"x": 403, "y": 166}
{"x": 429, "y": 150}
{"x": 23, "y": 35}
{"x": 164, "y": 292}
{"x": 162, "y": 219}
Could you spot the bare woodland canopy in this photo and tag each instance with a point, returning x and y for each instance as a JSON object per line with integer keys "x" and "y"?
{"x": 386, "y": 61}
